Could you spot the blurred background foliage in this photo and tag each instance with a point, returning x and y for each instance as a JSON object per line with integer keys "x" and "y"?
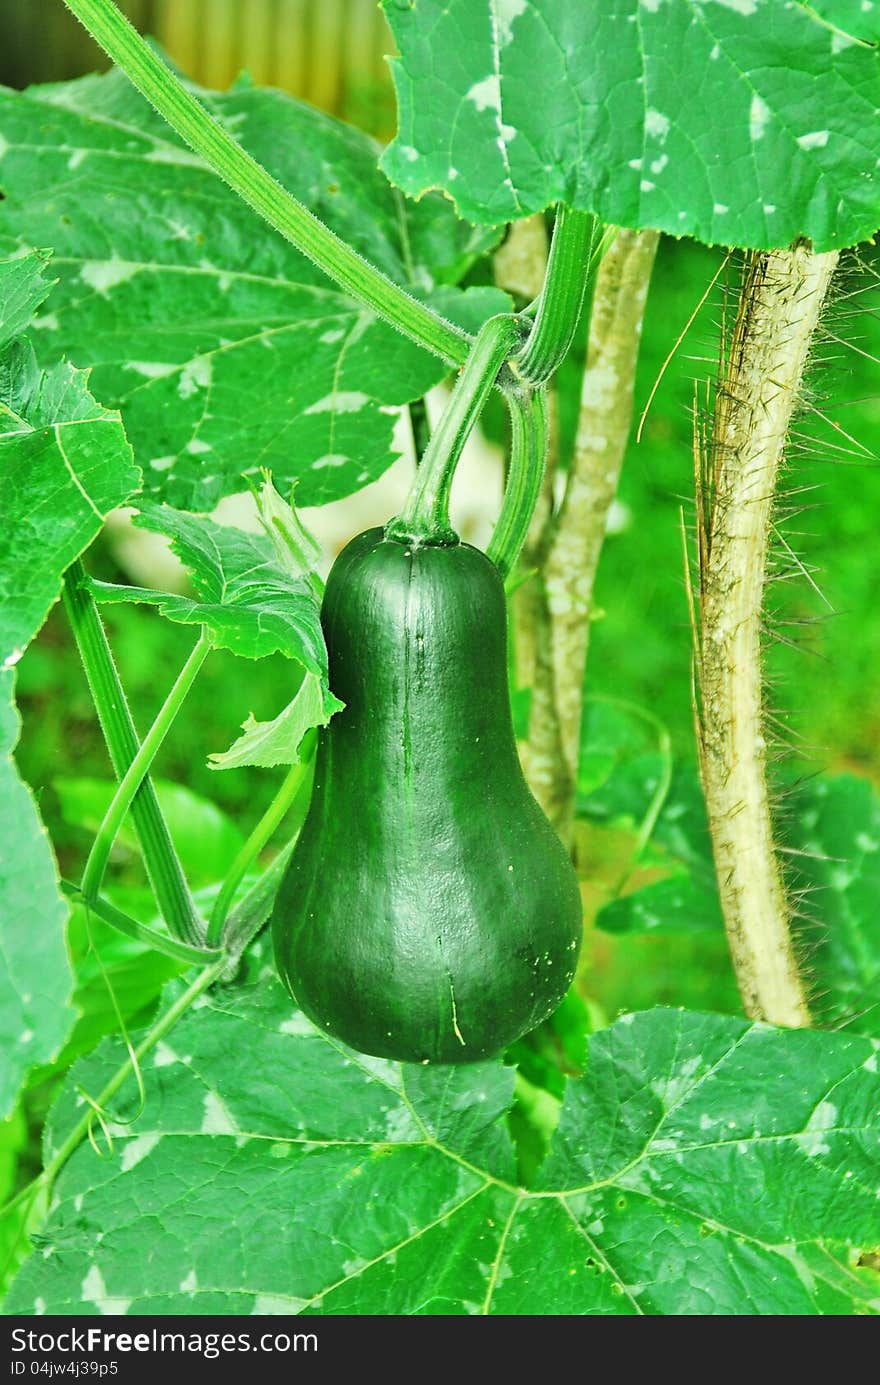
{"x": 331, "y": 53}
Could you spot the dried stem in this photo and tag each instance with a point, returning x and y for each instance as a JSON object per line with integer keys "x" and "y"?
{"x": 520, "y": 266}
{"x": 572, "y": 541}
{"x": 779, "y": 307}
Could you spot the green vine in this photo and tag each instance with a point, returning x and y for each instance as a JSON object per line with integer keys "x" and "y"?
{"x": 256, "y": 186}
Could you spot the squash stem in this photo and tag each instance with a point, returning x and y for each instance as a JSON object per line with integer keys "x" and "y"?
{"x": 528, "y": 451}
{"x": 163, "y": 867}
{"x": 425, "y": 516}
{"x": 562, "y": 296}
{"x": 256, "y": 186}
{"x": 134, "y": 776}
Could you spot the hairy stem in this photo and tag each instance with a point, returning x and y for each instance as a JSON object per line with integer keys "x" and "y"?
{"x": 520, "y": 266}
{"x": 133, "y": 928}
{"x": 781, "y": 300}
{"x": 160, "y": 858}
{"x": 572, "y": 543}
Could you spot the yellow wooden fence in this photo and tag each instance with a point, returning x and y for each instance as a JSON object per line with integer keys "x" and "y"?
{"x": 329, "y": 52}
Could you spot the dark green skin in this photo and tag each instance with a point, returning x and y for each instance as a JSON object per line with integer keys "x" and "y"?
{"x": 429, "y": 912}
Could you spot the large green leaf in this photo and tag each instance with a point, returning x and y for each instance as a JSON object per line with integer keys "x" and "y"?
{"x": 64, "y": 462}
{"x": 834, "y": 827}
{"x": 35, "y": 980}
{"x": 740, "y": 122}
{"x": 224, "y": 347}
{"x": 702, "y": 1165}
{"x": 247, "y": 600}
{"x": 23, "y": 287}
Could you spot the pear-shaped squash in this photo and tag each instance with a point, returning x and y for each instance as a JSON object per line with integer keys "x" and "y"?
{"x": 429, "y": 912}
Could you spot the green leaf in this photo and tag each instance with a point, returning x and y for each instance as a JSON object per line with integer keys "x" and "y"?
{"x": 249, "y": 603}
{"x": 225, "y": 349}
{"x": 103, "y": 958}
{"x": 297, "y": 552}
{"x": 205, "y": 839}
{"x": 740, "y": 123}
{"x": 277, "y": 742}
{"x": 23, "y": 288}
{"x": 702, "y": 1165}
{"x": 860, "y": 18}
{"x": 834, "y": 827}
{"x": 64, "y": 463}
{"x": 686, "y": 899}
{"x": 829, "y": 834}
{"x": 35, "y": 980}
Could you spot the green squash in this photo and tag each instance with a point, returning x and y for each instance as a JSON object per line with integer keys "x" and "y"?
{"x": 429, "y": 912}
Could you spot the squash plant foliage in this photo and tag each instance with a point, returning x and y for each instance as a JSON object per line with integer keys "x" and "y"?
{"x": 160, "y": 344}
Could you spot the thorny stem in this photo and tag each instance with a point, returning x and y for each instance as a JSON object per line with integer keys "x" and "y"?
{"x": 163, "y": 867}
{"x": 573, "y": 538}
{"x": 203, "y": 133}
{"x": 780, "y": 303}
{"x": 138, "y": 769}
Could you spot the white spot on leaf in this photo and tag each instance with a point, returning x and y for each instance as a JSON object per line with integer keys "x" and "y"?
{"x": 656, "y": 125}
{"x": 104, "y": 275}
{"x": 216, "y": 1120}
{"x": 821, "y": 1121}
{"x": 816, "y": 139}
{"x": 342, "y": 402}
{"x": 195, "y": 376}
{"x": 299, "y": 1026}
{"x": 486, "y": 95}
{"x": 137, "y": 1149}
{"x": 759, "y": 115}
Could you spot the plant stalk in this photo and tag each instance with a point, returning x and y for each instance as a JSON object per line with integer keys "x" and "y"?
{"x": 163, "y": 867}
{"x": 425, "y": 516}
{"x": 528, "y": 451}
{"x": 780, "y": 304}
{"x": 142, "y": 932}
{"x": 203, "y": 133}
{"x": 571, "y": 545}
{"x": 134, "y": 776}
{"x": 562, "y": 297}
